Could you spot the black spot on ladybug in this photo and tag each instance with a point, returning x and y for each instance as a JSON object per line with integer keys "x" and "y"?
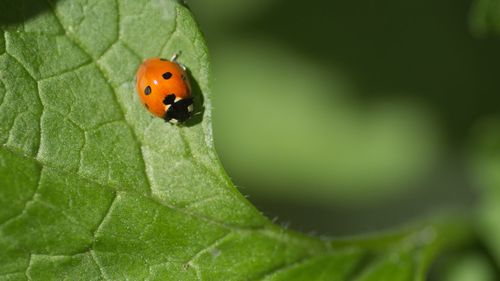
{"x": 163, "y": 59}
{"x": 147, "y": 90}
{"x": 170, "y": 99}
{"x": 167, "y": 75}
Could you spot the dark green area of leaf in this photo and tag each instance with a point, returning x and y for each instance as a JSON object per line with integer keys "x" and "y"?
{"x": 93, "y": 188}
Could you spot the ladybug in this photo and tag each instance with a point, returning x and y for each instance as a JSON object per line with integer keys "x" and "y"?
{"x": 164, "y": 89}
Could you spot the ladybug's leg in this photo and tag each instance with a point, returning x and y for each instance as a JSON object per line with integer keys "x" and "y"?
{"x": 174, "y": 59}
{"x": 166, "y": 118}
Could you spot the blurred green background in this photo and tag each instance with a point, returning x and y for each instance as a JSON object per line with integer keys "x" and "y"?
{"x": 342, "y": 117}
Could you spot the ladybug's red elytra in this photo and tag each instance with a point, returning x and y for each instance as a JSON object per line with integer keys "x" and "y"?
{"x": 164, "y": 89}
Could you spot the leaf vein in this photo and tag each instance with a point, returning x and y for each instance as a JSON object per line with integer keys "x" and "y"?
{"x": 213, "y": 245}
{"x": 298, "y": 262}
{"x": 174, "y": 31}
{"x": 27, "y": 203}
{"x": 202, "y": 201}
{"x": 39, "y": 101}
{"x": 30, "y": 259}
{"x": 94, "y": 258}
{"x": 72, "y": 69}
{"x": 115, "y": 96}
{"x": 105, "y": 216}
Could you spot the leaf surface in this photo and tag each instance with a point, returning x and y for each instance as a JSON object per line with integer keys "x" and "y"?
{"x": 93, "y": 188}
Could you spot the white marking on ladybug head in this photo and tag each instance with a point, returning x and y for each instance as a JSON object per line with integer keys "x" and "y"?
{"x": 190, "y": 108}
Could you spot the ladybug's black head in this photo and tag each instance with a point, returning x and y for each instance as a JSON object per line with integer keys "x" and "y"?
{"x": 179, "y": 111}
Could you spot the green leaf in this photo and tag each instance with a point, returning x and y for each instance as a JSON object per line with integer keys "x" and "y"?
{"x": 93, "y": 188}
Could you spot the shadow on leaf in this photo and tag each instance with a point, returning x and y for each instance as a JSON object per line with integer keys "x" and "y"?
{"x": 198, "y": 100}
{"x": 14, "y": 12}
